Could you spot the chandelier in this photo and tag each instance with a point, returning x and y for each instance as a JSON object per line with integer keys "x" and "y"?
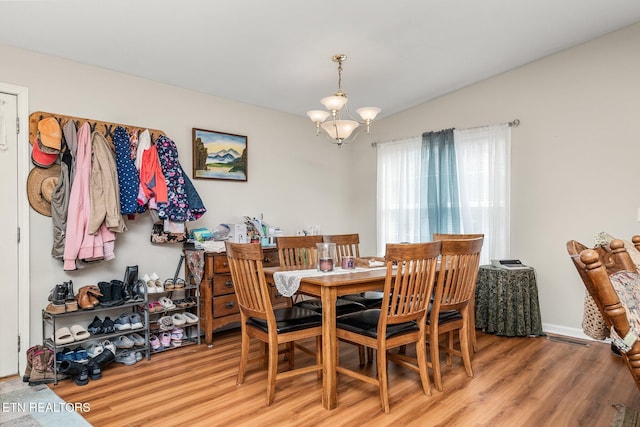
{"x": 337, "y": 129}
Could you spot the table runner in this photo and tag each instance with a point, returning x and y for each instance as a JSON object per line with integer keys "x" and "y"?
{"x": 288, "y": 282}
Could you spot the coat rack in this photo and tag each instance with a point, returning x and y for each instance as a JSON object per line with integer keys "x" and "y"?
{"x": 106, "y": 128}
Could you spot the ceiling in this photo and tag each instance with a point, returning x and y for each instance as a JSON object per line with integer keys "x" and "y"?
{"x": 277, "y": 53}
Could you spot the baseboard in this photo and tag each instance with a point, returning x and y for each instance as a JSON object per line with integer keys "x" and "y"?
{"x": 569, "y": 332}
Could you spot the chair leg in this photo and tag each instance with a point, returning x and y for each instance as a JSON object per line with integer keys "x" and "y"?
{"x": 244, "y": 356}
{"x": 369, "y": 354}
{"x": 449, "y": 353}
{"x": 421, "y": 352}
{"x": 465, "y": 349}
{"x": 319, "y": 355}
{"x": 361, "y": 355}
{"x": 272, "y": 372}
{"x": 290, "y": 355}
{"x": 435, "y": 359}
{"x": 383, "y": 383}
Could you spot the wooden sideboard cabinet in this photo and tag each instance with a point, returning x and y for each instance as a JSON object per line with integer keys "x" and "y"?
{"x": 218, "y": 302}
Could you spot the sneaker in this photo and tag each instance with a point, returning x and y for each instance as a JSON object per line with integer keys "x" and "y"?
{"x": 165, "y": 323}
{"x": 139, "y": 356}
{"x": 123, "y": 323}
{"x": 165, "y": 339}
{"x": 94, "y": 349}
{"x": 190, "y": 317}
{"x": 136, "y": 321}
{"x": 126, "y": 357}
{"x": 167, "y": 304}
{"x": 137, "y": 339}
{"x": 123, "y": 342}
{"x": 108, "y": 345}
{"x": 66, "y": 354}
{"x": 177, "y": 333}
{"x": 108, "y": 327}
{"x": 81, "y": 355}
{"x": 156, "y": 345}
{"x": 96, "y": 327}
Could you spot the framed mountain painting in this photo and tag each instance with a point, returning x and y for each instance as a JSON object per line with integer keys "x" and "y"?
{"x": 219, "y": 155}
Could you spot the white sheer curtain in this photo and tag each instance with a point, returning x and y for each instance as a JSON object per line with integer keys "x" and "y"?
{"x": 398, "y": 211}
{"x": 484, "y": 174}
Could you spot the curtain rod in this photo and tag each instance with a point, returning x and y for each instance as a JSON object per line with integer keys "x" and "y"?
{"x": 513, "y": 123}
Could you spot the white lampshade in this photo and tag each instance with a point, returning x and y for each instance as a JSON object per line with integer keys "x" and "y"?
{"x": 368, "y": 113}
{"x": 318, "y": 115}
{"x": 334, "y": 102}
{"x": 340, "y": 129}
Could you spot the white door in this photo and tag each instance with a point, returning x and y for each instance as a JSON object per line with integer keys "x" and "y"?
{"x": 9, "y": 326}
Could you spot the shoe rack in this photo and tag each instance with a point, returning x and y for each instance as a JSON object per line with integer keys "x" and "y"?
{"x": 186, "y": 299}
{"x": 52, "y": 322}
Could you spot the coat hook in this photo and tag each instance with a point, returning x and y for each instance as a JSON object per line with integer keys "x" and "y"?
{"x": 93, "y": 126}
{"x": 107, "y": 130}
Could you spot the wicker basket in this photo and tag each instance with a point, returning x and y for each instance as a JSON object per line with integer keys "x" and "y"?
{"x": 592, "y": 322}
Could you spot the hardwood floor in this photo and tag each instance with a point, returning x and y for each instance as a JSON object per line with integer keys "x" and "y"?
{"x": 518, "y": 381}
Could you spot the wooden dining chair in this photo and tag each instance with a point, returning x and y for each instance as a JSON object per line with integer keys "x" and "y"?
{"x": 472, "y": 307}
{"x": 451, "y": 307}
{"x": 302, "y": 251}
{"x": 401, "y": 320}
{"x": 346, "y": 244}
{"x": 298, "y": 250}
{"x": 611, "y": 278}
{"x": 259, "y": 320}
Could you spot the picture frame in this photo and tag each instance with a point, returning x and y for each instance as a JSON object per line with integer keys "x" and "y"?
{"x": 219, "y": 155}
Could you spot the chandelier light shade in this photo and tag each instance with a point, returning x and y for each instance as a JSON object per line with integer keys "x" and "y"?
{"x": 337, "y": 129}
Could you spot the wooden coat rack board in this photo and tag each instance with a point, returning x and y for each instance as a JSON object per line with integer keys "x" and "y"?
{"x": 106, "y": 128}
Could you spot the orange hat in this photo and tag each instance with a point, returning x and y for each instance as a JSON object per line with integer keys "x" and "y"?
{"x": 50, "y": 135}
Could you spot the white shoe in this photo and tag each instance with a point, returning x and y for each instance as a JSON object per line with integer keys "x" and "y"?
{"x": 158, "y": 284}
{"x": 151, "y": 284}
{"x": 108, "y": 345}
{"x": 94, "y": 349}
{"x": 178, "y": 319}
{"x": 190, "y": 317}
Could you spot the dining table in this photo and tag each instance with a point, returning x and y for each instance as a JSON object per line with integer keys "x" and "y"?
{"x": 328, "y": 287}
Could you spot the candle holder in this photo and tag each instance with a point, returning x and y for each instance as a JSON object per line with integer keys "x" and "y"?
{"x": 326, "y": 256}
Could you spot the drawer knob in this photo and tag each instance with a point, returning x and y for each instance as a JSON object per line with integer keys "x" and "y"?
{"x": 230, "y": 304}
{"x": 277, "y": 295}
{"x": 266, "y": 259}
{"x": 226, "y": 264}
{"x": 229, "y": 283}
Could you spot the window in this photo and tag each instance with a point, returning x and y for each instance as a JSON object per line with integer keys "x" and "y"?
{"x": 482, "y": 157}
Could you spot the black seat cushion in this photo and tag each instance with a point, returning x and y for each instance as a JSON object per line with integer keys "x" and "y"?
{"x": 366, "y": 323}
{"x": 343, "y": 306}
{"x": 369, "y": 299}
{"x": 446, "y": 316}
{"x": 290, "y": 319}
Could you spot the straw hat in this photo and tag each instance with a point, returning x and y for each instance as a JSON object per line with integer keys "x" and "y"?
{"x": 40, "y": 185}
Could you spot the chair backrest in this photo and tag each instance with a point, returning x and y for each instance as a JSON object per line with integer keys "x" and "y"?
{"x": 346, "y": 244}
{"x": 298, "y": 250}
{"x": 603, "y": 292}
{"x": 456, "y": 282}
{"x": 445, "y": 236}
{"x": 245, "y": 263}
{"x": 407, "y": 294}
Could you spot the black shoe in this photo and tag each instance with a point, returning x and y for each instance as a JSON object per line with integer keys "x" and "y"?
{"x": 96, "y": 327}
{"x": 77, "y": 371}
{"x": 94, "y": 371}
{"x": 104, "y": 358}
{"x": 58, "y": 294}
{"x": 108, "y": 327}
{"x": 117, "y": 292}
{"x": 130, "y": 280}
{"x": 106, "y": 299}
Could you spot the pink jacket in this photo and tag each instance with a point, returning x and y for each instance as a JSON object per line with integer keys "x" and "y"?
{"x": 79, "y": 244}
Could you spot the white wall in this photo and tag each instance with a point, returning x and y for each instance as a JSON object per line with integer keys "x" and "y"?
{"x": 295, "y": 179}
{"x": 574, "y": 157}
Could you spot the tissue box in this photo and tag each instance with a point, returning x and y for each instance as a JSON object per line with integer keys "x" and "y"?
{"x": 238, "y": 233}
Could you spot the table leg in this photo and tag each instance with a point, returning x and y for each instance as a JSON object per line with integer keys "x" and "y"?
{"x": 329, "y": 348}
